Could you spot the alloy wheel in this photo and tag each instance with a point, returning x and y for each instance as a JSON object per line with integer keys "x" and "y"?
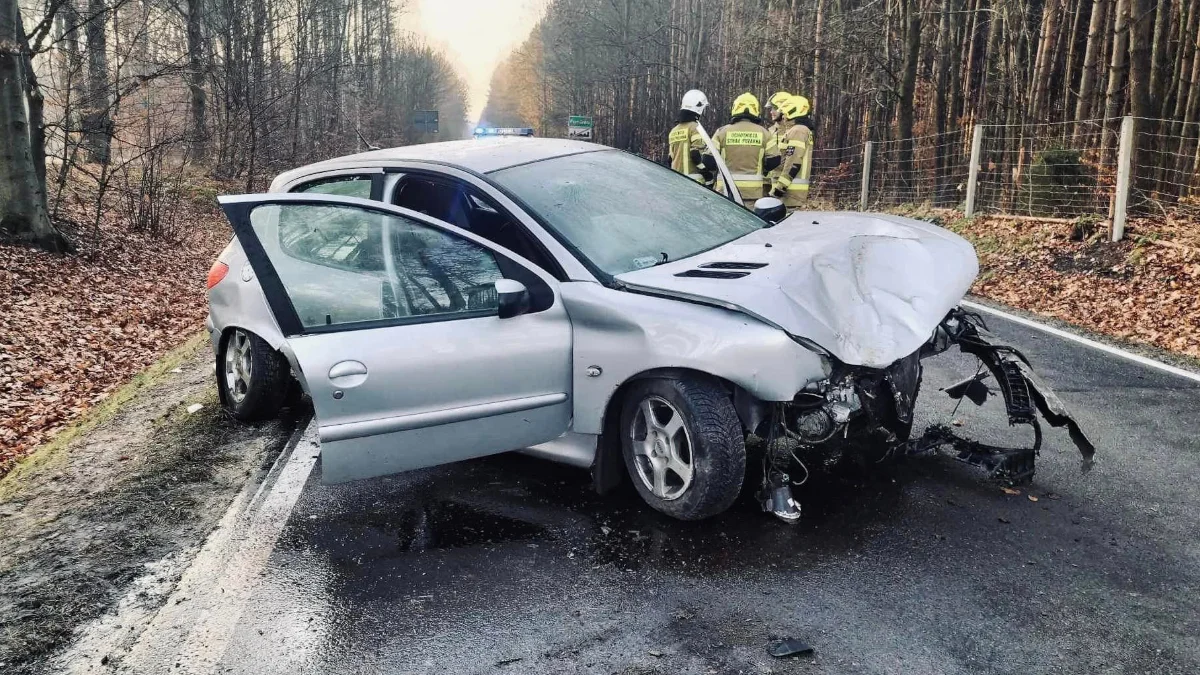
{"x": 238, "y": 362}
{"x": 662, "y": 448}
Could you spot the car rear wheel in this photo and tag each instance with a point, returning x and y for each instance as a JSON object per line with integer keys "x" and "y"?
{"x": 683, "y": 446}
{"x": 254, "y": 378}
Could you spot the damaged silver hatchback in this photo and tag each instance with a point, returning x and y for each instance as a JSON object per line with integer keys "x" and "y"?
{"x": 578, "y": 303}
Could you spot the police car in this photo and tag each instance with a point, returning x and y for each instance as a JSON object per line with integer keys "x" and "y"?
{"x": 490, "y": 132}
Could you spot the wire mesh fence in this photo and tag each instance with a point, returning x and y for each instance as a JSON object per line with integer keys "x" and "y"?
{"x": 1061, "y": 170}
{"x": 1165, "y": 173}
{"x": 837, "y": 177}
{"x": 1052, "y": 170}
{"x": 926, "y": 170}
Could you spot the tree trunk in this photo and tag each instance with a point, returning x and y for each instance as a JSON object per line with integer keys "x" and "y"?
{"x": 1075, "y": 8}
{"x": 908, "y": 85}
{"x": 97, "y": 121}
{"x": 1159, "y": 65}
{"x": 72, "y": 65}
{"x": 1041, "y": 71}
{"x": 1091, "y": 63}
{"x": 1118, "y": 71}
{"x": 23, "y": 214}
{"x": 818, "y": 56}
{"x": 196, "y": 77}
{"x": 940, "y": 104}
{"x": 1141, "y": 103}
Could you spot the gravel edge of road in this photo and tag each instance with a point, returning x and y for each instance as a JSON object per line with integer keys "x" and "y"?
{"x": 135, "y": 485}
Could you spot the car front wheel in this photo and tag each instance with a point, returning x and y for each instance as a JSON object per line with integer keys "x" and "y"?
{"x": 683, "y": 446}
{"x": 254, "y": 378}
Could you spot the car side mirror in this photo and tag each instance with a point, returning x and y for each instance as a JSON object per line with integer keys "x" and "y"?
{"x": 513, "y": 298}
{"x": 770, "y": 209}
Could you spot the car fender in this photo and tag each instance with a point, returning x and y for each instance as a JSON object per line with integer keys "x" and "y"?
{"x": 238, "y": 302}
{"x": 619, "y": 336}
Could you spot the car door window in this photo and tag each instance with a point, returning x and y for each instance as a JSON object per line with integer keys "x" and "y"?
{"x": 345, "y": 186}
{"x": 455, "y": 203}
{"x": 343, "y": 265}
{"x": 434, "y": 198}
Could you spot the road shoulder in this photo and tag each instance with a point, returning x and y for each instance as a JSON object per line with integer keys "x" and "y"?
{"x": 134, "y": 493}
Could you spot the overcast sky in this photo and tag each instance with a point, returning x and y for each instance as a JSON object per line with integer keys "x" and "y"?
{"x": 476, "y": 35}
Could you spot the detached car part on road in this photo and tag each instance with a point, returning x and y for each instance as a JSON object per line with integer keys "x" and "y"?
{"x": 452, "y": 300}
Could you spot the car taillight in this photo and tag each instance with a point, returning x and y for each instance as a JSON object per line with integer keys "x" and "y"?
{"x": 217, "y": 273}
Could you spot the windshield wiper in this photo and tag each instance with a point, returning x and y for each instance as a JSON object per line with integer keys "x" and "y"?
{"x": 665, "y": 258}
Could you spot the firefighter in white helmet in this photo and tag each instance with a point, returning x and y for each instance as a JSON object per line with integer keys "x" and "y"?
{"x": 685, "y": 142}
{"x": 748, "y": 148}
{"x": 796, "y": 147}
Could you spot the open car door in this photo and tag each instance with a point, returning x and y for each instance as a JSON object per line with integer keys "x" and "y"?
{"x": 412, "y": 352}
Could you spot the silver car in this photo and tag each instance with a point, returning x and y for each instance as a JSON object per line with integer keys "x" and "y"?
{"x": 452, "y": 300}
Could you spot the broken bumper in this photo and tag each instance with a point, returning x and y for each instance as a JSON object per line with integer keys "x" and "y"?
{"x": 1025, "y": 395}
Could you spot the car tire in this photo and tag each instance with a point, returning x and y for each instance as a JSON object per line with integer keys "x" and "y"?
{"x": 253, "y": 377}
{"x": 695, "y": 426}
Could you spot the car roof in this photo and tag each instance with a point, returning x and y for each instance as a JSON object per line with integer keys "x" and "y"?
{"x": 479, "y": 155}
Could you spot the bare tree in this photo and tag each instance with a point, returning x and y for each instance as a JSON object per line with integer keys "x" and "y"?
{"x": 23, "y": 214}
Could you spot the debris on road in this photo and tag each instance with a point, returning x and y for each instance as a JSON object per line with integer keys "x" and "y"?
{"x": 789, "y": 647}
{"x": 194, "y": 408}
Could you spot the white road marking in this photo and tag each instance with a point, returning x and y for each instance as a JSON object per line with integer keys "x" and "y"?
{"x": 1067, "y": 335}
{"x": 195, "y": 625}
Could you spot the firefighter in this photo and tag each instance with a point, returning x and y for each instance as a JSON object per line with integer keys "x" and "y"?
{"x": 748, "y": 148}
{"x": 774, "y": 117}
{"x": 796, "y": 147}
{"x": 685, "y": 142}
{"x": 773, "y": 113}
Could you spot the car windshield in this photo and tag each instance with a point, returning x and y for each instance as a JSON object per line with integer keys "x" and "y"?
{"x": 624, "y": 213}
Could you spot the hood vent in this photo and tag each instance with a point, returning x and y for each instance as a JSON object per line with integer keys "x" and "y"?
{"x": 733, "y": 266}
{"x": 713, "y": 274}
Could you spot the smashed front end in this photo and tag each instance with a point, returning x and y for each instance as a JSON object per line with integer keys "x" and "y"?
{"x": 865, "y": 415}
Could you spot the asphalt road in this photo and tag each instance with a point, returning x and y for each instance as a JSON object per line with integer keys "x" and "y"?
{"x": 509, "y": 564}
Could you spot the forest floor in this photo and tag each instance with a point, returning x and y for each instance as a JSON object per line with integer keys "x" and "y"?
{"x": 1143, "y": 290}
{"x": 79, "y": 326}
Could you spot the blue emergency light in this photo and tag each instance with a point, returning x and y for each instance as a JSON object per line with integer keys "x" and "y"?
{"x": 503, "y": 131}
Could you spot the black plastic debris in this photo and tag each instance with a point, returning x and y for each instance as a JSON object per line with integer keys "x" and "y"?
{"x": 789, "y": 647}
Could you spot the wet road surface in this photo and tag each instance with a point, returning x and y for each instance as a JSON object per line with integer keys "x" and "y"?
{"x": 510, "y": 564}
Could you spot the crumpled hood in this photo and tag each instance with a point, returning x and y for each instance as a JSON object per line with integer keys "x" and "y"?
{"x": 869, "y": 288}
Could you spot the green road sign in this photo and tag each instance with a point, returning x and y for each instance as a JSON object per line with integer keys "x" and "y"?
{"x": 580, "y": 127}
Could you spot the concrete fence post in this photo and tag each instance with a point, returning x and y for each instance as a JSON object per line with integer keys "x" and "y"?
{"x": 864, "y": 195}
{"x": 973, "y": 169}
{"x": 1124, "y": 178}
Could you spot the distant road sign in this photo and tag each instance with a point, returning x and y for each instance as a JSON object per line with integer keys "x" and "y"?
{"x": 425, "y": 121}
{"x": 579, "y": 127}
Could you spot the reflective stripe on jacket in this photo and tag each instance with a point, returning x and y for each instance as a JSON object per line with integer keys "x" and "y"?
{"x": 745, "y": 145}
{"x": 683, "y": 139}
{"x": 777, "y": 133}
{"x": 796, "y": 167}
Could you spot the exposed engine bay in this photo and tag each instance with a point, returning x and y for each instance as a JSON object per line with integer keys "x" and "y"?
{"x": 865, "y": 415}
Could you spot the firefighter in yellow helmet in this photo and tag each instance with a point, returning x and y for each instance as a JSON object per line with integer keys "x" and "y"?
{"x": 796, "y": 146}
{"x": 685, "y": 142}
{"x": 748, "y": 148}
{"x": 774, "y": 117}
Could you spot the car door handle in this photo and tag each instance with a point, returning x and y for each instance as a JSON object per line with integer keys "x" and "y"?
{"x": 348, "y": 373}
